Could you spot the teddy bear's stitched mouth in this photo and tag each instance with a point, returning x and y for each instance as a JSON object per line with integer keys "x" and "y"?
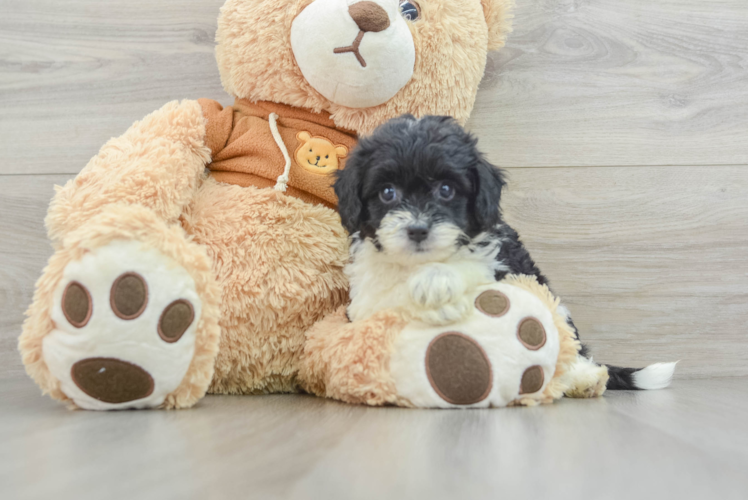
{"x": 354, "y": 48}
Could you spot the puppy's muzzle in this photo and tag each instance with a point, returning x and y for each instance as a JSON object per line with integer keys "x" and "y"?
{"x": 418, "y": 233}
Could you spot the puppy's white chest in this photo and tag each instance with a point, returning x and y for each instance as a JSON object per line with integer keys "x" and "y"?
{"x": 432, "y": 291}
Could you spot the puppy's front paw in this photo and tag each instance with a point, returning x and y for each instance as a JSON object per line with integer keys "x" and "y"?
{"x": 435, "y": 285}
{"x": 448, "y": 313}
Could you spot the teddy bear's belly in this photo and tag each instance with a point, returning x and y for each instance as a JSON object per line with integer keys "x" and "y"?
{"x": 280, "y": 263}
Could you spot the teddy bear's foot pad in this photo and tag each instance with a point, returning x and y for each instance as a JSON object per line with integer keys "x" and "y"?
{"x": 125, "y": 319}
{"x": 504, "y": 351}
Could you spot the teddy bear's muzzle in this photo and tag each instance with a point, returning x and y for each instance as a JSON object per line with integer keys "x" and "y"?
{"x": 356, "y": 55}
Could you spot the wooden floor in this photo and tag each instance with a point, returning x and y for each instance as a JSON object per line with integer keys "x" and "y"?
{"x": 624, "y": 128}
{"x": 687, "y": 442}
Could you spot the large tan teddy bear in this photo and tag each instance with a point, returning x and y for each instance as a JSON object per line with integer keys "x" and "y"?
{"x": 195, "y": 252}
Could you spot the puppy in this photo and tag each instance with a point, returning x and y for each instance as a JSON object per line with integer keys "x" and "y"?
{"x": 422, "y": 207}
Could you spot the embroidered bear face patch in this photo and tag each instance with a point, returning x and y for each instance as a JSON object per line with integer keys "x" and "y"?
{"x": 318, "y": 155}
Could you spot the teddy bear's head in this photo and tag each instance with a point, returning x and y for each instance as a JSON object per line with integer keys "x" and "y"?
{"x": 363, "y": 61}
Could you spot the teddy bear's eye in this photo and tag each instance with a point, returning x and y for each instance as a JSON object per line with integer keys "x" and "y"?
{"x": 327, "y": 156}
{"x": 411, "y": 11}
{"x": 310, "y": 150}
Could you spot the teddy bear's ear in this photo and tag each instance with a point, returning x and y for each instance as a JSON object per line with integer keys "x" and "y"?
{"x": 499, "y": 19}
{"x": 341, "y": 151}
{"x": 303, "y": 136}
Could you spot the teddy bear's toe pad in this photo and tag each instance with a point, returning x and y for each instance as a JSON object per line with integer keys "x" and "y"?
{"x": 458, "y": 369}
{"x": 506, "y": 349}
{"x": 125, "y": 327}
{"x": 532, "y": 380}
{"x": 493, "y": 303}
{"x": 129, "y": 296}
{"x": 175, "y": 320}
{"x": 532, "y": 334}
{"x": 76, "y": 304}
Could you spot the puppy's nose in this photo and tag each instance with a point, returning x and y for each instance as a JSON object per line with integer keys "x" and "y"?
{"x": 369, "y": 16}
{"x": 418, "y": 233}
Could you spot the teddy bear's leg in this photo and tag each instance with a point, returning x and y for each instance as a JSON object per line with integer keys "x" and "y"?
{"x": 510, "y": 350}
{"x": 124, "y": 316}
{"x": 279, "y": 262}
{"x": 158, "y": 163}
{"x": 125, "y": 283}
{"x": 351, "y": 361}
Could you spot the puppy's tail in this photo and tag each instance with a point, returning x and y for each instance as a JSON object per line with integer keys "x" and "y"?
{"x": 656, "y": 376}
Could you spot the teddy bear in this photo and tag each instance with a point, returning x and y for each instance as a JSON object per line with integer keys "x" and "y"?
{"x": 201, "y": 251}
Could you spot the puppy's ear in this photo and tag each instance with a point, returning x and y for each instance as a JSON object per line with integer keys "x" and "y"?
{"x": 348, "y": 190}
{"x": 488, "y": 181}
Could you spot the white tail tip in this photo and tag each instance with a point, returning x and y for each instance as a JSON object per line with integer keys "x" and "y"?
{"x": 656, "y": 376}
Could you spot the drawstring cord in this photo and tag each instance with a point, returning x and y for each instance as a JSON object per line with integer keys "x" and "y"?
{"x": 282, "y": 182}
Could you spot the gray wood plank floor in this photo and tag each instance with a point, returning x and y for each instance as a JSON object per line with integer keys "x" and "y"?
{"x": 619, "y": 82}
{"x": 624, "y": 124}
{"x": 687, "y": 442}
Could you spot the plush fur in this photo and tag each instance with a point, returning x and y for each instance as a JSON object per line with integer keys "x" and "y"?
{"x": 266, "y": 265}
{"x": 350, "y": 362}
{"x": 279, "y": 261}
{"x": 452, "y": 39}
{"x": 422, "y": 206}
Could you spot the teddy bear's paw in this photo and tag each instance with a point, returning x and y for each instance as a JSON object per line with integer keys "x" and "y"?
{"x": 125, "y": 320}
{"x": 436, "y": 285}
{"x": 504, "y": 351}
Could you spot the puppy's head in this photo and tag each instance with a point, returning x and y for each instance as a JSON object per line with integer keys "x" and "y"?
{"x": 419, "y": 189}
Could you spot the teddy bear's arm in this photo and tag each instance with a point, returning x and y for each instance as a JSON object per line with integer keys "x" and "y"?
{"x": 158, "y": 163}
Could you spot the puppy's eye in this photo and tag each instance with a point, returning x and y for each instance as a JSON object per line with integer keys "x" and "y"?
{"x": 410, "y": 10}
{"x": 388, "y": 194}
{"x": 445, "y": 191}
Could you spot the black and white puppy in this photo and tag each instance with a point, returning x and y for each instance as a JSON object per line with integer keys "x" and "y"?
{"x": 422, "y": 207}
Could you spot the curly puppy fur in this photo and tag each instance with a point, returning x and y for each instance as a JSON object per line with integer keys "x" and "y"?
{"x": 422, "y": 206}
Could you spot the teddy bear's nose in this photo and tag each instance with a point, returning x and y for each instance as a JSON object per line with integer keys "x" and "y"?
{"x": 369, "y": 16}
